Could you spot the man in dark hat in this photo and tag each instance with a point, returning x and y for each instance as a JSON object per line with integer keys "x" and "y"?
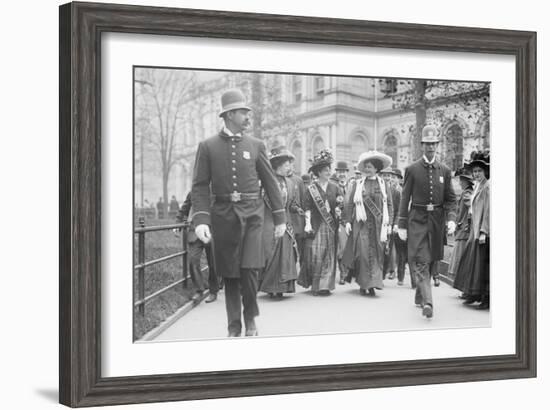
{"x": 342, "y": 170}
{"x": 428, "y": 193}
{"x": 230, "y": 166}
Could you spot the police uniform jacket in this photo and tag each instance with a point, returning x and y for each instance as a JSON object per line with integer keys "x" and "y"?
{"x": 232, "y": 164}
{"x": 396, "y": 199}
{"x": 427, "y": 199}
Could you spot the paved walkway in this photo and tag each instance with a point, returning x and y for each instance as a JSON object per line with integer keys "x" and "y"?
{"x": 344, "y": 311}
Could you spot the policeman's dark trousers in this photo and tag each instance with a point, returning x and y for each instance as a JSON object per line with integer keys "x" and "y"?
{"x": 434, "y": 269}
{"x": 401, "y": 259}
{"x": 244, "y": 288}
{"x": 421, "y": 271}
{"x": 195, "y": 253}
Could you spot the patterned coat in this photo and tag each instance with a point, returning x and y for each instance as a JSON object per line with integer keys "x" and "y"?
{"x": 226, "y": 164}
{"x": 426, "y": 184}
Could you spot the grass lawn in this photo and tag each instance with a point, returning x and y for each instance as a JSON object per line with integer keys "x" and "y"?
{"x": 158, "y": 276}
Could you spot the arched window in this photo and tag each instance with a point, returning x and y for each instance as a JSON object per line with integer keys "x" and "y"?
{"x": 296, "y": 150}
{"x": 359, "y": 144}
{"x": 318, "y": 145}
{"x": 453, "y": 147}
{"x": 390, "y": 146}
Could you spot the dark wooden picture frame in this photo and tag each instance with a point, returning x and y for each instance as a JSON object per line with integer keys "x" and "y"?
{"x": 81, "y": 27}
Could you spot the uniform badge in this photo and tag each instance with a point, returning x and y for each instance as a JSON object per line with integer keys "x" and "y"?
{"x": 441, "y": 179}
{"x": 246, "y": 155}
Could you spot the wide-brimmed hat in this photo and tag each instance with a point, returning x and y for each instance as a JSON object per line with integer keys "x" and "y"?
{"x": 322, "y": 159}
{"x": 479, "y": 158}
{"x": 341, "y": 166}
{"x": 373, "y": 156}
{"x": 233, "y": 100}
{"x": 429, "y": 134}
{"x": 465, "y": 173}
{"x": 280, "y": 153}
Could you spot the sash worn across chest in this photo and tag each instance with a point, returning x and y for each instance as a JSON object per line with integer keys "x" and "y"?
{"x": 320, "y": 205}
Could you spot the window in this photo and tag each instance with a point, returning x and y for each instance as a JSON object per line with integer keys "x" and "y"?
{"x": 319, "y": 85}
{"x": 297, "y": 88}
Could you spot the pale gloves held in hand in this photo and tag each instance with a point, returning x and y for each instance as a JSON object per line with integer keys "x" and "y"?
{"x": 203, "y": 233}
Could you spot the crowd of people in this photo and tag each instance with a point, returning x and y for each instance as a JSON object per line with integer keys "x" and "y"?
{"x": 266, "y": 229}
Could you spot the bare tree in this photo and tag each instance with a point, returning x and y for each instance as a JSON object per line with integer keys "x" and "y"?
{"x": 161, "y": 98}
{"x": 272, "y": 117}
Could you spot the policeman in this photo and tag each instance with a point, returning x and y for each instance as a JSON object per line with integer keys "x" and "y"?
{"x": 428, "y": 193}
{"x": 231, "y": 166}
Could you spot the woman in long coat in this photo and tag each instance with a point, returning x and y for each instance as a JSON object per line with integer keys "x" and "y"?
{"x": 322, "y": 207}
{"x": 367, "y": 216}
{"x": 280, "y": 273}
{"x": 462, "y": 231}
{"x": 472, "y": 276}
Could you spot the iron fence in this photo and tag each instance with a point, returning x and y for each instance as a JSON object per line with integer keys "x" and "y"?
{"x": 141, "y": 231}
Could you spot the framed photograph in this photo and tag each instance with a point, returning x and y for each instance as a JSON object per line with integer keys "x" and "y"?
{"x": 181, "y": 128}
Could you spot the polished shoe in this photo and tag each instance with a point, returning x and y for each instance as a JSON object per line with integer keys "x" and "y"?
{"x": 234, "y": 334}
{"x": 211, "y": 298}
{"x": 372, "y": 292}
{"x": 427, "y": 311}
{"x": 436, "y": 282}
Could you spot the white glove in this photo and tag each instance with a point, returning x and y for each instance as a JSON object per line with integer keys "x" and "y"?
{"x": 348, "y": 228}
{"x": 402, "y": 234}
{"x": 280, "y": 230}
{"x": 203, "y": 233}
{"x": 451, "y": 227}
{"x": 338, "y": 212}
{"x": 307, "y": 227}
{"x": 395, "y": 229}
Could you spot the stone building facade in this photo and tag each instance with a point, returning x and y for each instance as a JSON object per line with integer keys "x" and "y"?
{"x": 348, "y": 115}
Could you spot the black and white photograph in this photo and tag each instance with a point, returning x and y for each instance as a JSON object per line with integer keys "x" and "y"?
{"x": 274, "y": 204}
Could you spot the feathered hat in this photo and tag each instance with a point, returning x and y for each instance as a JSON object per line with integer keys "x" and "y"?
{"x": 322, "y": 159}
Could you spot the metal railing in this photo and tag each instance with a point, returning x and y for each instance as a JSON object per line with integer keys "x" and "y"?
{"x": 142, "y": 264}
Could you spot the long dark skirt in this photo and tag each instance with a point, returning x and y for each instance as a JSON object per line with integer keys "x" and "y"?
{"x": 318, "y": 268}
{"x": 364, "y": 255}
{"x": 280, "y": 273}
{"x": 458, "y": 251}
{"x": 472, "y": 276}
